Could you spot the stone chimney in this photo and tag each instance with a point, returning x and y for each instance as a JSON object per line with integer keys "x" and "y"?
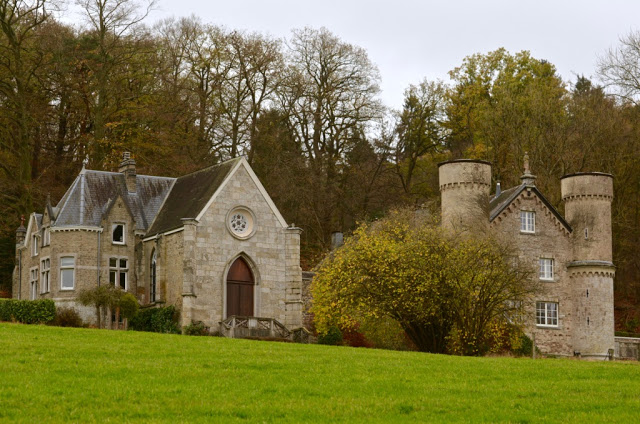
{"x": 21, "y": 232}
{"x": 128, "y": 168}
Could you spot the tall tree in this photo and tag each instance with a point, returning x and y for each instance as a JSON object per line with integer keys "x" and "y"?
{"x": 420, "y": 129}
{"x": 329, "y": 93}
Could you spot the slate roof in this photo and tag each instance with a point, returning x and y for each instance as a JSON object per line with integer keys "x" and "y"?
{"x": 92, "y": 193}
{"x": 498, "y": 203}
{"x": 189, "y": 195}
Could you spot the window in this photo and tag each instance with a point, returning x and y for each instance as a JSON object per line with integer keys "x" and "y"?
{"x": 45, "y": 267}
{"x": 118, "y": 234}
{"x": 34, "y": 245}
{"x": 527, "y": 222}
{"x": 46, "y": 237}
{"x": 118, "y": 270}
{"x": 546, "y": 269}
{"x": 547, "y": 314}
{"x": 67, "y": 272}
{"x": 33, "y": 279}
{"x": 152, "y": 273}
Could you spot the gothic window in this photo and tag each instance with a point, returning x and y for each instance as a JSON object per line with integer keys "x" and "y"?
{"x": 152, "y": 274}
{"x": 527, "y": 222}
{"x": 118, "y": 272}
{"x": 547, "y": 314}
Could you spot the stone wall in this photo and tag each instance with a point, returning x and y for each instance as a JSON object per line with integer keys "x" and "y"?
{"x": 550, "y": 240}
{"x": 627, "y": 348}
{"x": 271, "y": 252}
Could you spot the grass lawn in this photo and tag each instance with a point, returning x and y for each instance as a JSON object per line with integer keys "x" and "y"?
{"x": 50, "y": 374}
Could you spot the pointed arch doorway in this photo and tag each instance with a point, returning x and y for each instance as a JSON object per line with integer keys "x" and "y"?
{"x": 240, "y": 285}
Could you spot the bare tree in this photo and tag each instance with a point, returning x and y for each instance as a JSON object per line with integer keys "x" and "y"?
{"x": 619, "y": 68}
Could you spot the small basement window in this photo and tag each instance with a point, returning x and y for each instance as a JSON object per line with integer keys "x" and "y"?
{"x": 118, "y": 234}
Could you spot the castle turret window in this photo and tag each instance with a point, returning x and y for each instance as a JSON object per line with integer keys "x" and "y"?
{"x": 547, "y": 314}
{"x": 546, "y": 269}
{"x": 527, "y": 222}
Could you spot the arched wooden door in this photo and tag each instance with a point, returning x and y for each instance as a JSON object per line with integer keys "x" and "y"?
{"x": 240, "y": 289}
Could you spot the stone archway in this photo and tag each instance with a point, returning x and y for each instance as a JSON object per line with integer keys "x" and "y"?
{"x": 240, "y": 289}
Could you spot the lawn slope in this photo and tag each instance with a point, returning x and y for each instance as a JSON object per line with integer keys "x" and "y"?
{"x": 50, "y": 374}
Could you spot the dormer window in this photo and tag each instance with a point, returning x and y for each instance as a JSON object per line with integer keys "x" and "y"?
{"x": 117, "y": 234}
{"x": 34, "y": 245}
{"x": 46, "y": 237}
{"x": 527, "y": 222}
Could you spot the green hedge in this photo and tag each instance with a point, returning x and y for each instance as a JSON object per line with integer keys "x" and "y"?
{"x": 157, "y": 320}
{"x": 27, "y": 311}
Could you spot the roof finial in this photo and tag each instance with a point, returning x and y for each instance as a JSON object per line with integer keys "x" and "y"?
{"x": 22, "y": 220}
{"x": 527, "y": 178}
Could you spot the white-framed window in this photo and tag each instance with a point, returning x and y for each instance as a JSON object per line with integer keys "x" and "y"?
{"x": 67, "y": 272}
{"x": 546, "y": 269}
{"x": 118, "y": 234}
{"x": 46, "y": 237}
{"x": 34, "y": 245}
{"x": 527, "y": 222}
{"x": 547, "y": 314}
{"x": 45, "y": 282}
{"x": 153, "y": 275}
{"x": 33, "y": 280}
{"x": 118, "y": 272}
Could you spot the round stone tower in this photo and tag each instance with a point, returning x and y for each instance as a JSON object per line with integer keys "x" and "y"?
{"x": 587, "y": 198}
{"x": 464, "y": 187}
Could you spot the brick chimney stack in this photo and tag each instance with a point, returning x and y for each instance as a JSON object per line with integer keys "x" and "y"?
{"x": 128, "y": 168}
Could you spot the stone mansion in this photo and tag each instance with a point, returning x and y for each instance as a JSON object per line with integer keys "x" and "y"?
{"x": 572, "y": 254}
{"x": 212, "y": 243}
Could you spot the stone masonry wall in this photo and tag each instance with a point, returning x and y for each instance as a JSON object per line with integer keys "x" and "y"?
{"x": 216, "y": 248}
{"x": 550, "y": 240}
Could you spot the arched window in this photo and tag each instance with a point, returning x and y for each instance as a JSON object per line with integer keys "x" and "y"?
{"x": 152, "y": 279}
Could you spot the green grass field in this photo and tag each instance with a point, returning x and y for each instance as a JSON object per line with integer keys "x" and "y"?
{"x": 50, "y": 374}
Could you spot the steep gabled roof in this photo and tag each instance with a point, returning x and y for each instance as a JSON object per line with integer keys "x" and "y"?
{"x": 88, "y": 198}
{"x": 499, "y": 203}
{"x": 189, "y": 196}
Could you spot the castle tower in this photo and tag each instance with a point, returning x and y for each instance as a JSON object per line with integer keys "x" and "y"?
{"x": 587, "y": 198}
{"x": 464, "y": 187}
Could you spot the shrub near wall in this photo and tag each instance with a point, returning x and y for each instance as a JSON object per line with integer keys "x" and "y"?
{"x": 27, "y": 311}
{"x": 157, "y": 320}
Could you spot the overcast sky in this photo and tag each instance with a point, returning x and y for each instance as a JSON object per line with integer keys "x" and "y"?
{"x": 411, "y": 40}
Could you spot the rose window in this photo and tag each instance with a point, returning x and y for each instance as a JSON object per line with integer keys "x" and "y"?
{"x": 239, "y": 223}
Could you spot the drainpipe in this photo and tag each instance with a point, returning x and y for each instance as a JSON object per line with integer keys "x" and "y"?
{"x": 20, "y": 275}
{"x": 98, "y": 260}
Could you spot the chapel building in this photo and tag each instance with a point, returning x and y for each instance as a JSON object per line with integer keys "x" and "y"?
{"x": 211, "y": 243}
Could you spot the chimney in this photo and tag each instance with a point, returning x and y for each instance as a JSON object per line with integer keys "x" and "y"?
{"x": 128, "y": 168}
{"x": 21, "y": 232}
{"x": 337, "y": 239}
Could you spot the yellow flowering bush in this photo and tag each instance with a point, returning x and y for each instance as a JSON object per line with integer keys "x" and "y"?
{"x": 443, "y": 289}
